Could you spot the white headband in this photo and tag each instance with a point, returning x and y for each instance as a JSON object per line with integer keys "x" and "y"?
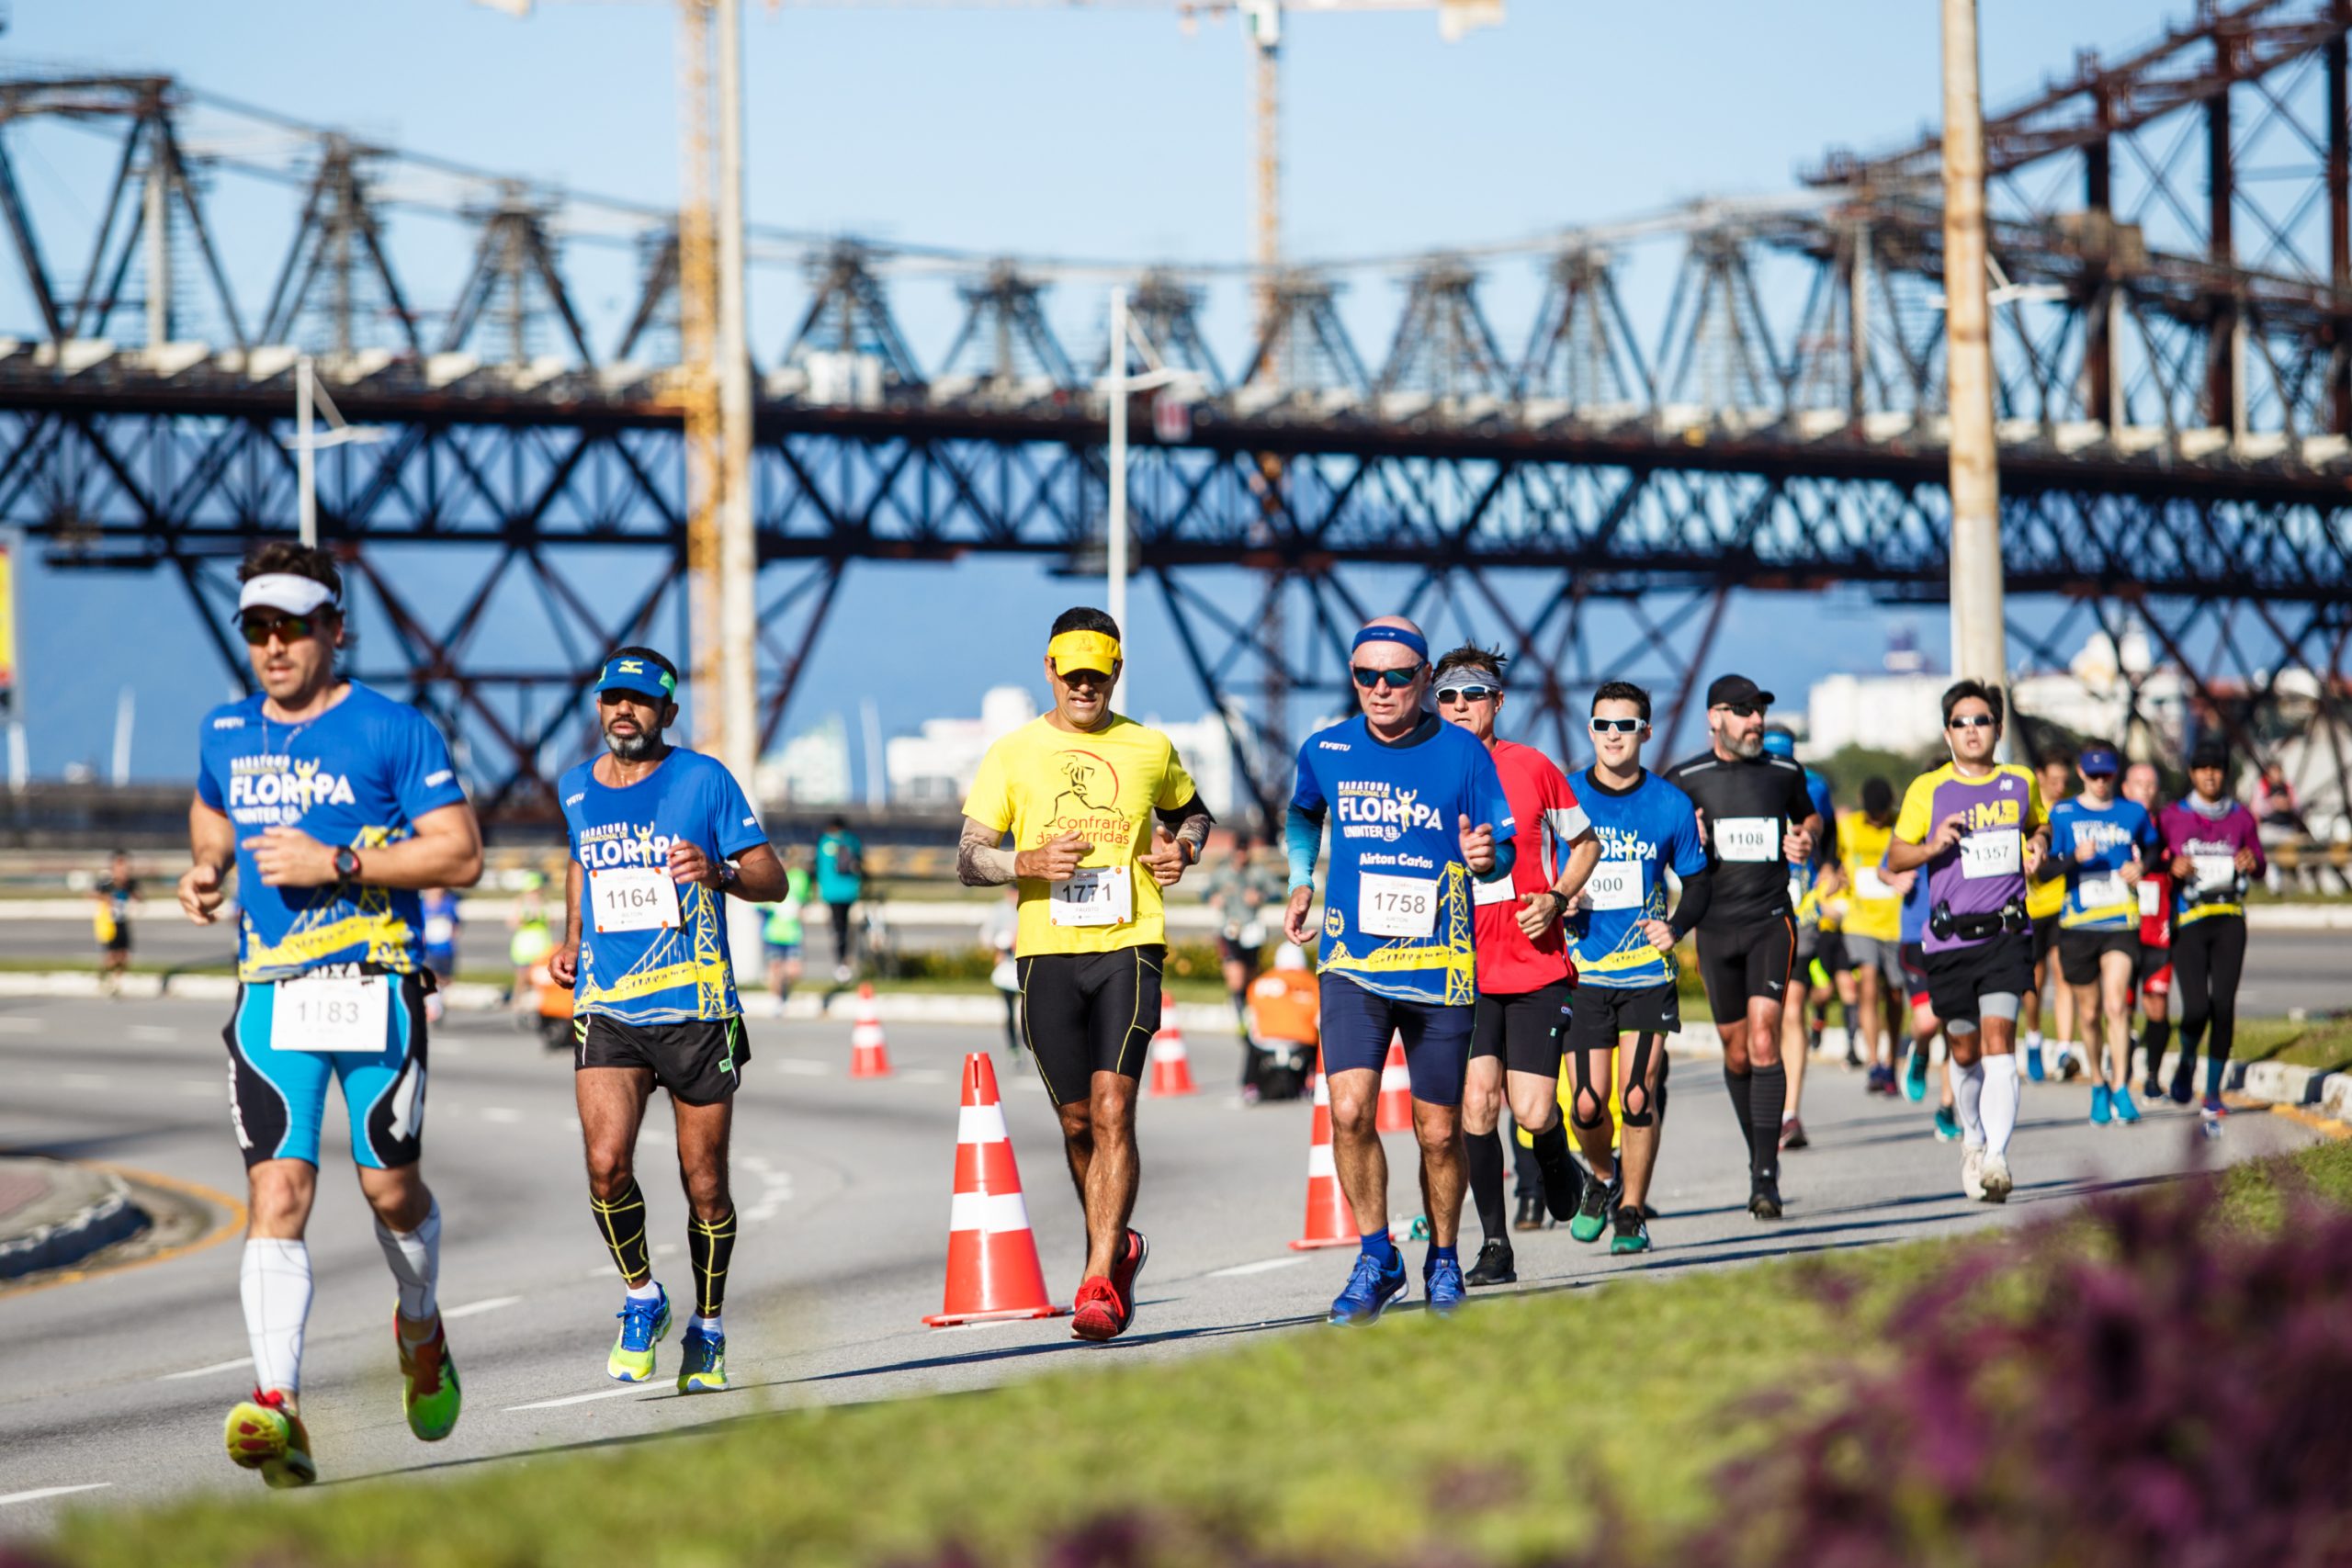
{"x": 285, "y": 591}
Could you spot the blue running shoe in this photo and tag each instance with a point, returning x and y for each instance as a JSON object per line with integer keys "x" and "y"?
{"x": 1442, "y": 1286}
{"x": 1947, "y": 1125}
{"x": 644, "y": 1324}
{"x": 1372, "y": 1288}
{"x": 2126, "y": 1110}
{"x": 2102, "y": 1107}
{"x": 1915, "y": 1076}
{"x": 2034, "y": 1063}
{"x": 704, "y": 1367}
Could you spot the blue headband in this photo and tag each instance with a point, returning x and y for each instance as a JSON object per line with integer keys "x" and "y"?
{"x": 1411, "y": 639}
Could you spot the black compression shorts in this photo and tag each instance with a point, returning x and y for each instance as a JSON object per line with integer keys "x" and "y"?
{"x": 1524, "y": 1028}
{"x": 1958, "y": 977}
{"x": 699, "y": 1060}
{"x": 1603, "y": 1013}
{"x": 1090, "y": 1012}
{"x": 1737, "y": 965}
{"x": 2080, "y": 952}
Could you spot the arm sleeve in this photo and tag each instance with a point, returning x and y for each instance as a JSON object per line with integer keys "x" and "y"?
{"x": 1302, "y": 837}
{"x": 735, "y": 827}
{"x": 1506, "y": 857}
{"x": 1698, "y": 892}
{"x": 990, "y": 802}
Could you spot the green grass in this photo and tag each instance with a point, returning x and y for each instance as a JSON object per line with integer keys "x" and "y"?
{"x": 1317, "y": 1442}
{"x": 2325, "y": 1045}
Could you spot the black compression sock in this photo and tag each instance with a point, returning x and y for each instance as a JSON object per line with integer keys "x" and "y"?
{"x": 1486, "y": 1180}
{"x": 1742, "y": 1085}
{"x": 621, "y": 1221}
{"x": 711, "y": 1245}
{"x": 1767, "y": 1095}
{"x": 1552, "y": 1150}
{"x": 2153, "y": 1039}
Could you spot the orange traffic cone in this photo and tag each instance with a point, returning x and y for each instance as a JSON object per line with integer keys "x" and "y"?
{"x": 992, "y": 1268}
{"x": 869, "y": 1053}
{"x": 1396, "y": 1112}
{"x": 1329, "y": 1221}
{"x": 1171, "y": 1069}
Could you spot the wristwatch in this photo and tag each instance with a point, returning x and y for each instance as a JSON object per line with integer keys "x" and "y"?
{"x": 347, "y": 863}
{"x": 726, "y": 875}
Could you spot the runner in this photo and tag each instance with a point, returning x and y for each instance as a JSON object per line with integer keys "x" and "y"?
{"x": 2215, "y": 847}
{"x": 1626, "y": 997}
{"x": 784, "y": 930}
{"x": 840, "y": 882}
{"x": 2044, "y": 901}
{"x": 1814, "y": 879}
{"x": 441, "y": 923}
{"x": 1978, "y": 828}
{"x": 660, "y": 837}
{"x": 1242, "y": 892}
{"x": 1418, "y": 813}
{"x": 115, "y": 899}
{"x": 1873, "y": 928}
{"x": 1525, "y": 976}
{"x": 2141, "y": 786}
{"x": 2098, "y": 847}
{"x": 1925, "y": 1024}
{"x": 336, "y": 804}
{"x": 1103, "y": 817}
{"x": 1758, "y": 815}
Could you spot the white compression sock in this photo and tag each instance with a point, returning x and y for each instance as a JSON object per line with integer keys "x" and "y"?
{"x": 645, "y": 1293}
{"x": 2000, "y": 1101}
{"x": 2034, "y": 1040}
{"x": 714, "y": 1326}
{"x": 415, "y": 1262}
{"x": 274, "y": 1280}
{"x": 1968, "y": 1086}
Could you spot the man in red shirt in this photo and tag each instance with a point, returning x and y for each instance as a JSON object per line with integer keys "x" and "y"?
{"x": 1525, "y": 976}
{"x": 2154, "y": 978}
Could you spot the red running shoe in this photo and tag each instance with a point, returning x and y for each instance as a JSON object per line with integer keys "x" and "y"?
{"x": 1097, "y": 1315}
{"x": 1123, "y": 1275}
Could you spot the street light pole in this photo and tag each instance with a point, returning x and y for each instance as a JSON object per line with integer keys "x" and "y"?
{"x": 1115, "y": 526}
{"x": 1979, "y": 642}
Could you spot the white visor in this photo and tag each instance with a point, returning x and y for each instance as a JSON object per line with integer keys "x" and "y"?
{"x": 285, "y": 591}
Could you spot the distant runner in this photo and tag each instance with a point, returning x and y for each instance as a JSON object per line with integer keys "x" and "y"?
{"x": 2216, "y": 850}
{"x": 2099, "y": 848}
{"x": 115, "y": 899}
{"x": 2044, "y": 902}
{"x": 1873, "y": 928}
{"x": 2142, "y": 787}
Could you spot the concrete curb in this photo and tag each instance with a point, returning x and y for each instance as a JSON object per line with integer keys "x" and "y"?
{"x": 110, "y": 1215}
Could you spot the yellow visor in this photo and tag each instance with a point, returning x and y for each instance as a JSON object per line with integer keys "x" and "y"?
{"x": 1084, "y": 650}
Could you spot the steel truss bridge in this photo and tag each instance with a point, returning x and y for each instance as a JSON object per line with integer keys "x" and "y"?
{"x": 1728, "y": 398}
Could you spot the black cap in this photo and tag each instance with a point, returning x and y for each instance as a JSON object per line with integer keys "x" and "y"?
{"x": 1737, "y": 689}
{"x": 1878, "y": 796}
{"x": 2212, "y": 751}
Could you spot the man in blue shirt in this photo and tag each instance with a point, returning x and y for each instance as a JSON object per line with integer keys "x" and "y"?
{"x": 2100, "y": 843}
{"x": 1416, "y": 811}
{"x": 660, "y": 836}
{"x": 336, "y": 805}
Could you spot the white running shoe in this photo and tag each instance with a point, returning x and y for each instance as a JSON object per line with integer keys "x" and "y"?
{"x": 1994, "y": 1179}
{"x": 1972, "y": 1172}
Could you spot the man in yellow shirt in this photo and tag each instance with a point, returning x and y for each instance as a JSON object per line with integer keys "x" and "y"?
{"x": 1873, "y": 927}
{"x": 1103, "y": 817}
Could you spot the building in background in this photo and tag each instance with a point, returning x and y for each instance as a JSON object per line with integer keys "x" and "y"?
{"x": 934, "y": 768}
{"x": 810, "y": 768}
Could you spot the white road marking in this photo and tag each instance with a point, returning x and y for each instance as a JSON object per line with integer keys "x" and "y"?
{"x": 17, "y": 1024}
{"x": 500, "y": 1114}
{"x": 474, "y": 1309}
{"x": 152, "y": 1032}
{"x": 800, "y": 1067}
{"x": 1267, "y": 1267}
{"x": 38, "y": 1492}
{"x": 85, "y": 1080}
{"x": 621, "y": 1392}
{"x": 208, "y": 1371}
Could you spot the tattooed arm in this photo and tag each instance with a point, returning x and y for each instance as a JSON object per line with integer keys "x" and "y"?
{"x": 980, "y": 859}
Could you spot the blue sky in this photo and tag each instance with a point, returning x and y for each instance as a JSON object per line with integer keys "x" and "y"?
{"x": 1095, "y": 134}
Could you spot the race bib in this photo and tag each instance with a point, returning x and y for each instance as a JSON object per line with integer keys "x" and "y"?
{"x": 2100, "y": 892}
{"x": 1998, "y": 852}
{"x": 1869, "y": 884}
{"x": 333, "y": 1012}
{"x": 1095, "y": 895}
{"x": 633, "y": 898}
{"x": 2151, "y": 898}
{"x": 1749, "y": 838}
{"x": 1396, "y": 906}
{"x": 1616, "y": 884}
{"x": 440, "y": 930}
{"x": 1499, "y": 891}
{"x": 2214, "y": 872}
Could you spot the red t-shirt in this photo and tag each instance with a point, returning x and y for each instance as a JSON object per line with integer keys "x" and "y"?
{"x": 1546, "y": 811}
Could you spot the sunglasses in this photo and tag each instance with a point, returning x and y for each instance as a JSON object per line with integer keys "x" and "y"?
{"x": 1467, "y": 693}
{"x": 1396, "y": 680}
{"x": 1616, "y": 726}
{"x": 1742, "y": 710}
{"x": 1084, "y": 677}
{"x": 259, "y": 629}
{"x": 1970, "y": 721}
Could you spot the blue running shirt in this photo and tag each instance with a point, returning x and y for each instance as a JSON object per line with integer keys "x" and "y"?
{"x": 654, "y": 972}
{"x": 1644, "y": 833}
{"x": 2096, "y": 897}
{"x": 360, "y": 773}
{"x": 1396, "y": 855}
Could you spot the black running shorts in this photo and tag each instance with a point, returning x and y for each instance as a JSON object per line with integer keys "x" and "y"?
{"x": 1603, "y": 1014}
{"x": 2045, "y": 939}
{"x": 1737, "y": 965}
{"x": 698, "y": 1061}
{"x": 1085, "y": 1013}
{"x": 2079, "y": 953}
{"x": 1525, "y": 1029}
{"x": 1958, "y": 977}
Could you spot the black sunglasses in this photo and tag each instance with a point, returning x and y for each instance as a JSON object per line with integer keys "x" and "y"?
{"x": 1742, "y": 710}
{"x": 1467, "y": 693}
{"x": 1616, "y": 726}
{"x": 1397, "y": 679}
{"x": 259, "y": 629}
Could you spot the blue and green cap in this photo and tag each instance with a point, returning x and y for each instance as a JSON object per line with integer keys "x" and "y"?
{"x": 633, "y": 672}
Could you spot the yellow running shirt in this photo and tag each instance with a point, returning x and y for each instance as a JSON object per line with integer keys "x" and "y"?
{"x": 1873, "y": 909}
{"x": 1042, "y": 782}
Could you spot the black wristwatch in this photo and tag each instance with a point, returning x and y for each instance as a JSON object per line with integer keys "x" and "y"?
{"x": 726, "y": 875}
{"x": 347, "y": 863}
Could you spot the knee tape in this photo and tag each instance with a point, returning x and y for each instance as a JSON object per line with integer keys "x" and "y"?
{"x": 1637, "y": 1083}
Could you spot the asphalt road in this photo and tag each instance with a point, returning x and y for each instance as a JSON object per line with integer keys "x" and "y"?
{"x": 122, "y": 1378}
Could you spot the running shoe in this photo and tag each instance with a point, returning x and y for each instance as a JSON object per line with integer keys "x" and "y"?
{"x": 1792, "y": 1132}
{"x": 1563, "y": 1192}
{"x": 263, "y": 1434}
{"x": 701, "y": 1361}
{"x": 2153, "y": 1088}
{"x": 1097, "y": 1313}
{"x": 2126, "y": 1110}
{"x": 428, "y": 1382}
{"x": 1369, "y": 1289}
{"x": 1812, "y": 1041}
{"x": 1124, "y": 1269}
{"x": 2210, "y": 1124}
{"x": 644, "y": 1324}
{"x": 2102, "y": 1107}
{"x": 1633, "y": 1233}
{"x": 1531, "y": 1213}
{"x": 1972, "y": 1172}
{"x": 1947, "y": 1125}
{"x": 2184, "y": 1082}
{"x": 1764, "y": 1197}
{"x": 1496, "y": 1266}
{"x": 1593, "y": 1213}
{"x": 2034, "y": 1063}
{"x": 2214, "y": 1108}
{"x": 1853, "y": 1056}
{"x": 2070, "y": 1064}
{"x": 1914, "y": 1076}
{"x": 1441, "y": 1285}
{"x": 1995, "y": 1178}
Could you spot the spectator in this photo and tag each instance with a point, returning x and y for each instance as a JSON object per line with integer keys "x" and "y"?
{"x": 1240, "y": 890}
{"x": 840, "y": 882}
{"x": 1286, "y": 1009}
{"x": 2279, "y": 820}
{"x": 782, "y": 933}
{"x": 114, "y": 897}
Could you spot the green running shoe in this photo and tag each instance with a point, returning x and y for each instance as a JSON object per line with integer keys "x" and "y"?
{"x": 704, "y": 1369}
{"x": 1633, "y": 1231}
{"x": 1592, "y": 1208}
{"x": 644, "y": 1324}
{"x": 429, "y": 1390}
{"x": 264, "y": 1434}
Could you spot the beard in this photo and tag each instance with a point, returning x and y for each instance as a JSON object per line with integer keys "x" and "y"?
{"x": 1752, "y": 747}
{"x": 635, "y": 748}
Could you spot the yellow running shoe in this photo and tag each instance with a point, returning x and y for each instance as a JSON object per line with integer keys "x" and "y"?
{"x": 644, "y": 1324}
{"x": 429, "y": 1391}
{"x": 704, "y": 1367}
{"x": 263, "y": 1435}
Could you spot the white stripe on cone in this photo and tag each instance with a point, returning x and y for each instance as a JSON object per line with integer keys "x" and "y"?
{"x": 1319, "y": 1161}
{"x": 994, "y": 1213}
{"x": 981, "y": 1125}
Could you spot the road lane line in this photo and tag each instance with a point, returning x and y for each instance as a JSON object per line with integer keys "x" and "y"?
{"x": 500, "y": 1114}
{"x": 473, "y": 1309}
{"x": 38, "y": 1492}
{"x": 646, "y": 1387}
{"x": 152, "y": 1032}
{"x": 85, "y": 1080}
{"x": 1268, "y": 1267}
{"x": 208, "y": 1371}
